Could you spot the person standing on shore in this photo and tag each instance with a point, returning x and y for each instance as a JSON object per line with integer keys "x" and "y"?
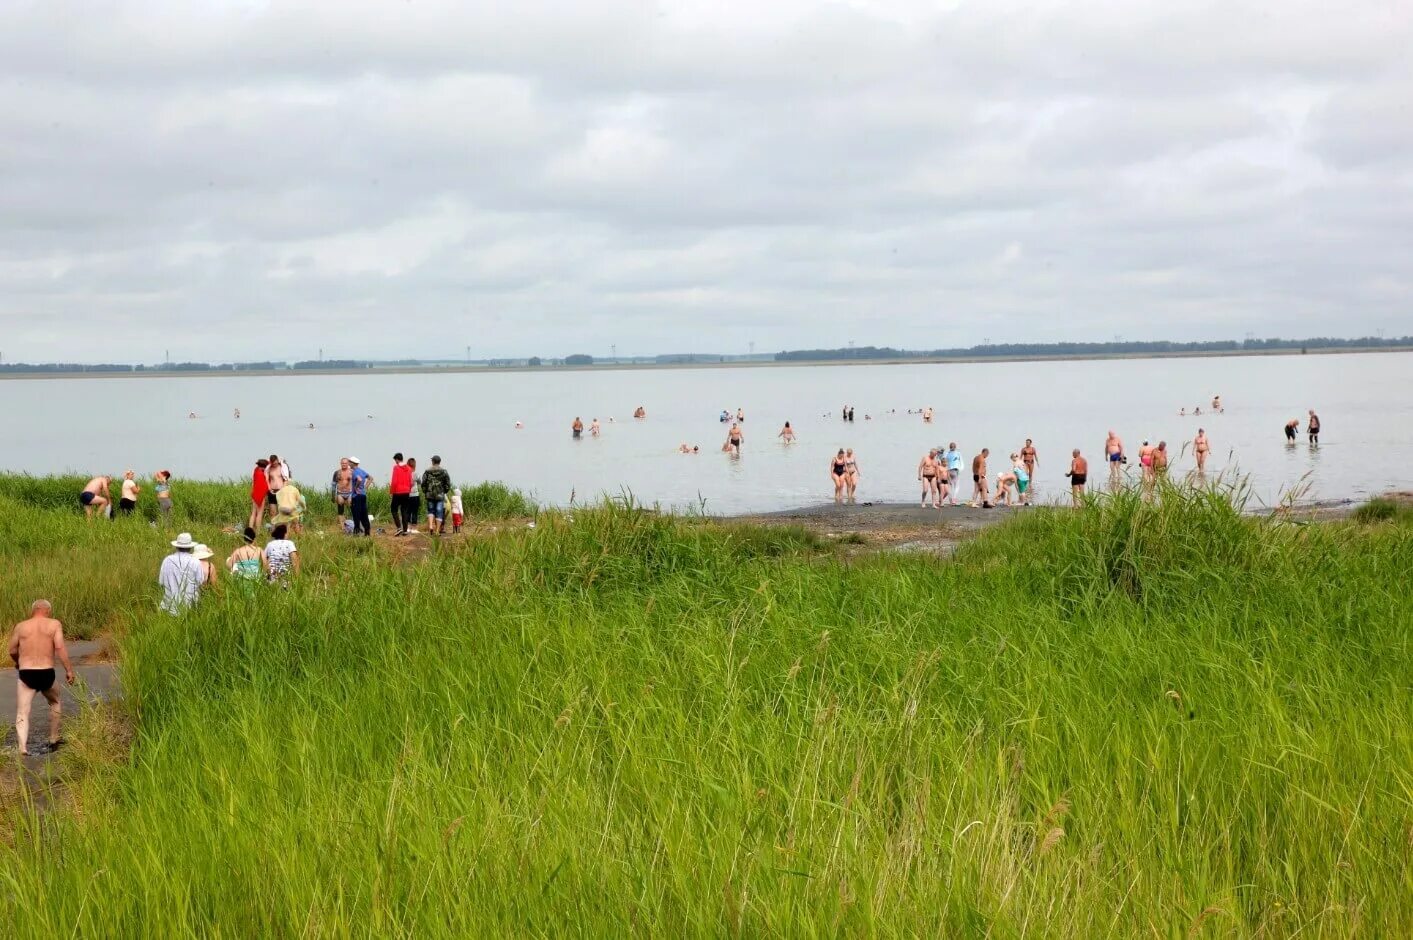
{"x": 1079, "y": 476}
{"x": 1312, "y": 427}
{"x": 127, "y": 500}
{"x": 1160, "y": 460}
{"x": 839, "y": 473}
{"x": 34, "y": 644}
{"x": 412, "y": 512}
{"x": 927, "y": 470}
{"x": 162, "y": 486}
{"x": 259, "y": 489}
{"x": 978, "y": 480}
{"x": 1114, "y": 454}
{"x": 359, "y": 481}
{"x": 96, "y": 497}
{"x": 278, "y": 475}
{"x": 399, "y": 485}
{"x": 436, "y": 484}
{"x": 1200, "y": 447}
{"x": 952, "y": 459}
{"x": 343, "y": 486}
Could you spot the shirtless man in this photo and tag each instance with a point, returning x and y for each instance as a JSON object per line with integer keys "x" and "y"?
{"x": 734, "y": 439}
{"x": 343, "y": 485}
{"x": 1292, "y": 427}
{"x": 1160, "y": 459}
{"x": 1029, "y": 457}
{"x": 33, "y": 645}
{"x": 1312, "y": 427}
{"x": 1079, "y": 475}
{"x": 577, "y": 428}
{"x": 978, "y": 480}
{"x": 1114, "y": 454}
{"x": 927, "y": 471}
{"x": 96, "y": 497}
{"x": 1200, "y": 447}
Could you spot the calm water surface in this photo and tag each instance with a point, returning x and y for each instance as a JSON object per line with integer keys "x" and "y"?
{"x": 107, "y": 425}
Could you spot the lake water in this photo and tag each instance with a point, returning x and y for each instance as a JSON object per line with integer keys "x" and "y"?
{"x": 105, "y": 425}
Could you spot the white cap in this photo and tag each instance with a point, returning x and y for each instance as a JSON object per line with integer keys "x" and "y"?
{"x": 353, "y": 460}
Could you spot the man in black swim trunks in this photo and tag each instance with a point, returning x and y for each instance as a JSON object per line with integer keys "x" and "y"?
{"x": 33, "y": 645}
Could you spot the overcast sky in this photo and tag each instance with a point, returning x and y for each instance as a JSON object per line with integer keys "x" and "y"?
{"x": 238, "y": 180}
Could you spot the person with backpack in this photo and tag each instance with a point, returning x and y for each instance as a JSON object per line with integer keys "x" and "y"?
{"x": 436, "y": 486}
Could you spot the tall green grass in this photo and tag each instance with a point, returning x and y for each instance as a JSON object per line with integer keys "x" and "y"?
{"x": 100, "y": 570}
{"x": 1160, "y": 719}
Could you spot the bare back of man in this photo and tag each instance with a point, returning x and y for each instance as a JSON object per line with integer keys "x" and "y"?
{"x": 34, "y": 644}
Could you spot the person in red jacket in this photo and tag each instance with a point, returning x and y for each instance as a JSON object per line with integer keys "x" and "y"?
{"x": 399, "y": 486}
{"x": 259, "y": 487}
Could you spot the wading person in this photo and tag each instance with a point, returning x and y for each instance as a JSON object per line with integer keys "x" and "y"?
{"x": 577, "y": 428}
{"x": 359, "y": 480}
{"x": 1292, "y": 427}
{"x": 259, "y": 488}
{"x": 34, "y": 644}
{"x": 734, "y": 437}
{"x": 399, "y": 485}
{"x": 839, "y": 473}
{"x": 787, "y": 434}
{"x": 181, "y": 575}
{"x": 436, "y": 486}
{"x": 1312, "y": 427}
{"x": 96, "y": 497}
{"x": 1160, "y": 460}
{"x": 1114, "y": 454}
{"x": 1029, "y": 458}
{"x": 851, "y": 466}
{"x": 1079, "y": 476}
{"x": 1200, "y": 448}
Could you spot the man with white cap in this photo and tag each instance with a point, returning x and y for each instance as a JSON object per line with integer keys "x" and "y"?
{"x": 358, "y": 505}
{"x": 181, "y": 575}
{"x": 33, "y": 645}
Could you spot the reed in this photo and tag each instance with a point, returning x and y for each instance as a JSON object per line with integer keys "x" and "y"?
{"x": 1157, "y": 717}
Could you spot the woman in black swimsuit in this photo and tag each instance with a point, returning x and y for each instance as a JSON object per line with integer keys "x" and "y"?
{"x": 839, "y": 473}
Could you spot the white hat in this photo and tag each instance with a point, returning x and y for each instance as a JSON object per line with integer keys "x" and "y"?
{"x": 202, "y": 552}
{"x": 183, "y": 541}
{"x": 353, "y": 460}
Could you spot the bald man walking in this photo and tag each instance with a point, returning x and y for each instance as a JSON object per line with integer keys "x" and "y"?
{"x": 33, "y": 645}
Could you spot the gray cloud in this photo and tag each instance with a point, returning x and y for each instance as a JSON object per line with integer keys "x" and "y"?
{"x": 249, "y": 179}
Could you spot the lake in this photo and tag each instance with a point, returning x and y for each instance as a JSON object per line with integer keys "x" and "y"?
{"x": 1365, "y": 402}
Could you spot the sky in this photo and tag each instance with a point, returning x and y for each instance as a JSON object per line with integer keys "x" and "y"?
{"x": 222, "y": 180}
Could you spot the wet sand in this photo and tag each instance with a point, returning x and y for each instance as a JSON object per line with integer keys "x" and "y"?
{"x": 904, "y": 527}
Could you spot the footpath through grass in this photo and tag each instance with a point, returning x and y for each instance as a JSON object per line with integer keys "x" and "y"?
{"x": 1162, "y": 720}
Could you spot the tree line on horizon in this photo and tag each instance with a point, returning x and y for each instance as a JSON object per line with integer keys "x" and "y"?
{"x": 1083, "y": 349}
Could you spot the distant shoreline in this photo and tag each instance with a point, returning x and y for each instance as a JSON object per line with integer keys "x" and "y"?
{"x": 669, "y": 366}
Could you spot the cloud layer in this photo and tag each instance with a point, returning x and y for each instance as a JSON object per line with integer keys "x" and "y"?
{"x": 255, "y": 180}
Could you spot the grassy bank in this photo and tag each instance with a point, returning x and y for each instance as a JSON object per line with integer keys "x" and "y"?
{"x": 1162, "y": 720}
{"x": 104, "y": 570}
